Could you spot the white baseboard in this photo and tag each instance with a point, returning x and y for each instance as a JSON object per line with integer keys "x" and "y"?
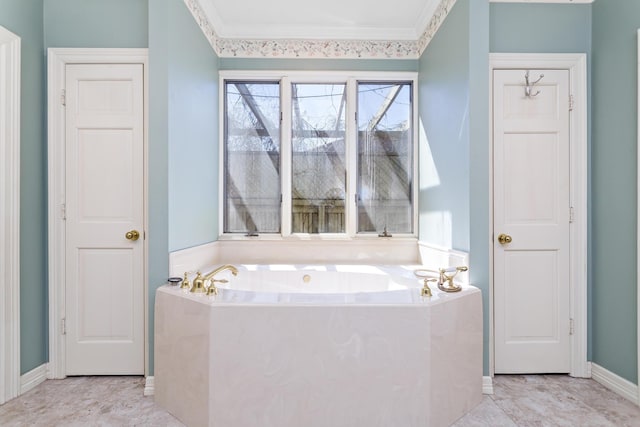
{"x": 615, "y": 383}
{"x": 149, "y": 386}
{"x": 487, "y": 385}
{"x": 33, "y": 378}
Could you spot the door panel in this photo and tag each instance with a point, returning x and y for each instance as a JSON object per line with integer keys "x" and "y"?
{"x": 104, "y": 190}
{"x": 531, "y": 205}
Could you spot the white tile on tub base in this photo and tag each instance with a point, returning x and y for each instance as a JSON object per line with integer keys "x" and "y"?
{"x": 313, "y": 365}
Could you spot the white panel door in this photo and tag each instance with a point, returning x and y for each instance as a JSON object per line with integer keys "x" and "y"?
{"x": 104, "y": 201}
{"x": 532, "y": 210}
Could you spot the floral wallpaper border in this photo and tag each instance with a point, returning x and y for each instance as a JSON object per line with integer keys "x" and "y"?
{"x": 294, "y": 48}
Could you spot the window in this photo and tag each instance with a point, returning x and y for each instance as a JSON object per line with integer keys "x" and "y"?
{"x": 318, "y": 164}
{"x": 252, "y": 157}
{"x": 321, "y": 155}
{"x": 385, "y": 157}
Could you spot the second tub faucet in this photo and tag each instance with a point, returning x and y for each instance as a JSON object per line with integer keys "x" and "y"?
{"x": 200, "y": 281}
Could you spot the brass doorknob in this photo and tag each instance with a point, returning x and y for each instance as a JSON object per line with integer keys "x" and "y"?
{"x": 132, "y": 235}
{"x": 503, "y": 239}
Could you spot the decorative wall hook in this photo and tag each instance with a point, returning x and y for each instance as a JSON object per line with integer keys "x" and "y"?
{"x": 529, "y": 85}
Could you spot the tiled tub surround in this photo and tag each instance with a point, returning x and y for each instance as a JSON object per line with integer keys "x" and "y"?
{"x": 376, "y": 358}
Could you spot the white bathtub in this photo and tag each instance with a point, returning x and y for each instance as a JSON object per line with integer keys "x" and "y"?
{"x": 346, "y": 346}
{"x": 338, "y": 279}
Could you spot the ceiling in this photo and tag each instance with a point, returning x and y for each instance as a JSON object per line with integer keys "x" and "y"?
{"x": 326, "y": 19}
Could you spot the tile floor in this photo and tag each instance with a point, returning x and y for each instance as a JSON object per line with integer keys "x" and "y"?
{"x": 519, "y": 400}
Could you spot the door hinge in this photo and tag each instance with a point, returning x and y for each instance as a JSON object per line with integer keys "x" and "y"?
{"x": 571, "y": 102}
{"x": 572, "y": 215}
{"x": 571, "y": 327}
{"x": 63, "y": 211}
{"x": 63, "y": 98}
{"x": 63, "y": 326}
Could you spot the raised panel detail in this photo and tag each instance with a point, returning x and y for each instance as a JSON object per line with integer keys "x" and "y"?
{"x": 531, "y": 192}
{"x": 105, "y": 295}
{"x": 105, "y": 167}
{"x": 531, "y": 297}
{"x": 105, "y": 97}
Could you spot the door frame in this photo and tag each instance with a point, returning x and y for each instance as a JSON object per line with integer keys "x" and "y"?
{"x": 576, "y": 64}
{"x": 58, "y": 58}
{"x": 10, "y": 227}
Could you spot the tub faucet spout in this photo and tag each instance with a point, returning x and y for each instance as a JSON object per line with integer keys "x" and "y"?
{"x": 212, "y": 290}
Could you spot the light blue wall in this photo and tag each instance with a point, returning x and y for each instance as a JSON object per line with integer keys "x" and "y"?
{"x": 444, "y": 130}
{"x": 479, "y": 159}
{"x": 183, "y": 79}
{"x": 567, "y": 30}
{"x": 454, "y": 146}
{"x": 95, "y": 23}
{"x": 453, "y": 92}
{"x": 606, "y": 31}
{"x": 91, "y": 24}
{"x": 24, "y": 18}
{"x": 183, "y": 130}
{"x": 193, "y": 133}
{"x": 158, "y": 156}
{"x": 518, "y": 28}
{"x": 318, "y": 64}
{"x": 614, "y": 189}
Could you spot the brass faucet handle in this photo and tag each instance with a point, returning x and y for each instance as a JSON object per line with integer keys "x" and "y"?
{"x": 198, "y": 284}
{"x": 218, "y": 281}
{"x": 185, "y": 284}
{"x": 426, "y": 290}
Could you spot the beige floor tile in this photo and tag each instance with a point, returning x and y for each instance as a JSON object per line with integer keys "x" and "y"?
{"x": 519, "y": 400}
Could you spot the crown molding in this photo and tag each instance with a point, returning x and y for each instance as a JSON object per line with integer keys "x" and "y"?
{"x": 316, "y": 48}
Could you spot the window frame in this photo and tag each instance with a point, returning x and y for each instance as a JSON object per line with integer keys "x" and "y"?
{"x": 286, "y": 78}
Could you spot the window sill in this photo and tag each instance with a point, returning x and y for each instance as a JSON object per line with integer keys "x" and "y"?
{"x": 272, "y": 237}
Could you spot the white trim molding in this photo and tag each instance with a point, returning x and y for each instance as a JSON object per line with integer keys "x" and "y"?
{"x": 149, "y": 386}
{"x": 615, "y": 383}
{"x": 576, "y": 63}
{"x": 58, "y": 58}
{"x": 317, "y": 48}
{"x": 487, "y": 385}
{"x": 10, "y": 214}
{"x": 33, "y": 378}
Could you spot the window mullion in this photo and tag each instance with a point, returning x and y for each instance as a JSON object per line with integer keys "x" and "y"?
{"x": 351, "y": 209}
{"x": 285, "y": 129}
